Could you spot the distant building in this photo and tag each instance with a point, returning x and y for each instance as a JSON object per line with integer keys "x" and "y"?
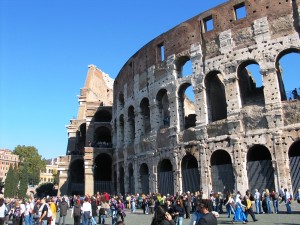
{"x": 46, "y": 175}
{"x": 7, "y": 158}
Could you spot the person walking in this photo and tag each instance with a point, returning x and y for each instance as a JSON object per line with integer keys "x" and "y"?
{"x": 86, "y": 211}
{"x": 229, "y": 205}
{"x": 248, "y": 208}
{"x": 63, "y": 211}
{"x": 76, "y": 212}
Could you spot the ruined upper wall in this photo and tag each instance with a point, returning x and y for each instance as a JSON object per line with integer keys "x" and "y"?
{"x": 98, "y": 88}
{"x": 281, "y": 15}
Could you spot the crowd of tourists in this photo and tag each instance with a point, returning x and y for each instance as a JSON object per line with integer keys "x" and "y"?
{"x": 165, "y": 209}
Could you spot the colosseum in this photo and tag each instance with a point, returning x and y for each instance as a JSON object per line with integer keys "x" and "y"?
{"x": 144, "y": 132}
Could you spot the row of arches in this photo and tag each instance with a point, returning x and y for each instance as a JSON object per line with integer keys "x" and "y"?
{"x": 259, "y": 167}
{"x": 250, "y": 89}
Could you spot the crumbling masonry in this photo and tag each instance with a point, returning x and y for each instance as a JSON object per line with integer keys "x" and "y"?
{"x": 234, "y": 135}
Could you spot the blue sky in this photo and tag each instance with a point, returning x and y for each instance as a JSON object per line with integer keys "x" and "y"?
{"x": 46, "y": 47}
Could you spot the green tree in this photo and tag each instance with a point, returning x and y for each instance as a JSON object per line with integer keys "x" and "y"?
{"x": 11, "y": 182}
{"x": 23, "y": 185}
{"x": 30, "y": 158}
{"x": 46, "y": 189}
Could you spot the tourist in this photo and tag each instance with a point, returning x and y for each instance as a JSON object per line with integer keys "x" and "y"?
{"x": 257, "y": 201}
{"x": 208, "y": 217}
{"x": 196, "y": 216}
{"x": 76, "y": 212}
{"x": 94, "y": 210}
{"x": 43, "y": 212}
{"x": 63, "y": 211}
{"x": 248, "y": 208}
{"x": 229, "y": 205}
{"x": 239, "y": 214}
{"x": 52, "y": 207}
{"x": 179, "y": 211}
{"x": 161, "y": 217}
{"x": 3, "y": 211}
{"x": 288, "y": 198}
{"x": 86, "y": 211}
{"x": 121, "y": 210}
{"x": 297, "y": 197}
{"x": 274, "y": 197}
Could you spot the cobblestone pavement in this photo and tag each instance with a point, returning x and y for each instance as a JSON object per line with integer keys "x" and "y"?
{"x": 263, "y": 219}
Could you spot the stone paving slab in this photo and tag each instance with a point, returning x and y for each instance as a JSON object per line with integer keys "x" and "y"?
{"x": 263, "y": 219}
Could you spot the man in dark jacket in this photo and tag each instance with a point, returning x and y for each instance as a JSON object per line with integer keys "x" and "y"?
{"x": 208, "y": 218}
{"x": 63, "y": 209}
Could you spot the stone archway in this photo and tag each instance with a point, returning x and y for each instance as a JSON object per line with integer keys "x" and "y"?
{"x": 131, "y": 179}
{"x": 103, "y": 173}
{"x": 259, "y": 168}
{"x": 121, "y": 180}
{"x": 190, "y": 174}
{"x": 165, "y": 177}
{"x": 144, "y": 173}
{"x": 294, "y": 157}
{"x": 223, "y": 178}
{"x": 76, "y": 184}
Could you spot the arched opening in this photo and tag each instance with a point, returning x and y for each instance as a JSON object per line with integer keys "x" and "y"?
{"x": 223, "y": 179}
{"x": 186, "y": 106}
{"x": 80, "y": 140}
{"x": 294, "y": 157}
{"x": 287, "y": 73}
{"x": 260, "y": 171}
{"x": 121, "y": 180}
{"x": 163, "y": 107}
{"x": 76, "y": 177}
{"x": 190, "y": 174}
{"x": 102, "y": 169}
{"x": 144, "y": 173}
{"x": 102, "y": 116}
{"x": 145, "y": 111}
{"x": 121, "y": 125}
{"x": 216, "y": 97}
{"x": 102, "y": 138}
{"x": 131, "y": 179}
{"x": 165, "y": 177}
{"x": 131, "y": 125}
{"x": 121, "y": 100}
{"x": 250, "y": 83}
{"x": 184, "y": 66}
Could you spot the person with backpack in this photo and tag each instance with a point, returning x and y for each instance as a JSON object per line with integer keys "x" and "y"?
{"x": 43, "y": 212}
{"x": 274, "y": 197}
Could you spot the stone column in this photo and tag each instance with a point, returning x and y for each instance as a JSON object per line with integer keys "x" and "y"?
{"x": 204, "y": 170}
{"x": 239, "y": 165}
{"x": 281, "y": 169}
{"x": 88, "y": 171}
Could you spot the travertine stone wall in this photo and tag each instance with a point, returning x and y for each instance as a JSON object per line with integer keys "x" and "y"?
{"x": 270, "y": 29}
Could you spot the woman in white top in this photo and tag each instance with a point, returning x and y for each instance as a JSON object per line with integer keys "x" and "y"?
{"x": 3, "y": 211}
{"x": 87, "y": 211}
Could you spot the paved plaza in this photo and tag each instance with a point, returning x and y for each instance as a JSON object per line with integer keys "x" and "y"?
{"x": 263, "y": 219}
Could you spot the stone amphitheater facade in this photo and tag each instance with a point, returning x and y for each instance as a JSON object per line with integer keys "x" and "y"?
{"x": 232, "y": 136}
